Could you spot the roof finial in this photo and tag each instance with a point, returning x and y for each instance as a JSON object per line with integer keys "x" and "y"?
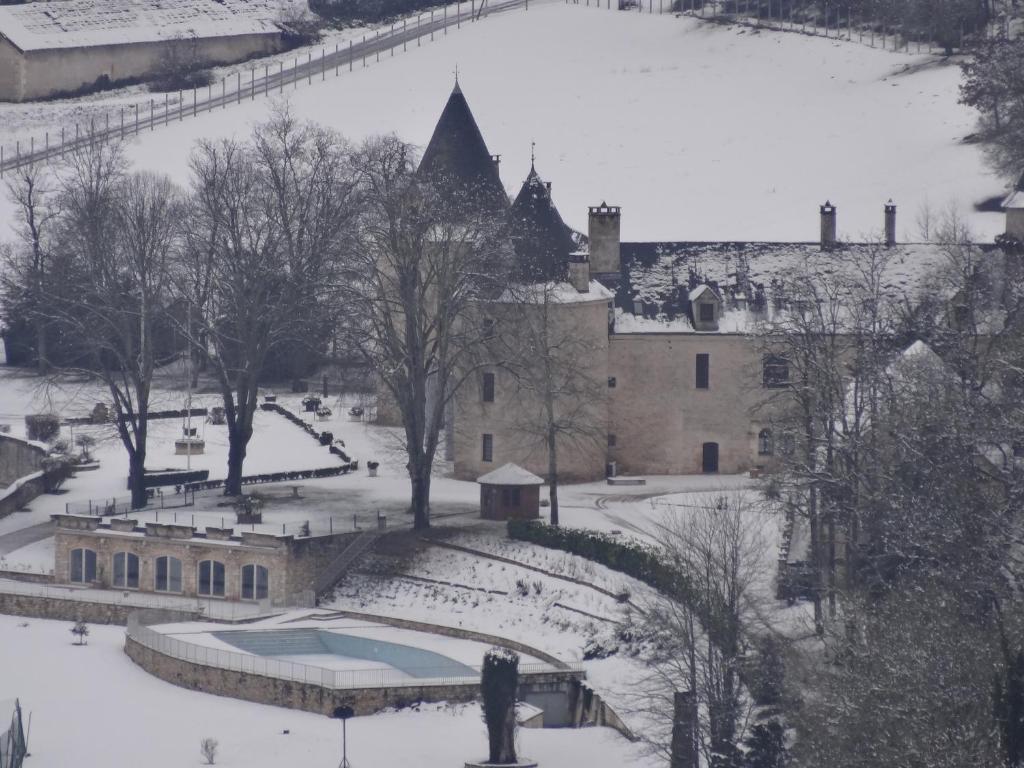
{"x": 456, "y": 74}
{"x": 533, "y": 153}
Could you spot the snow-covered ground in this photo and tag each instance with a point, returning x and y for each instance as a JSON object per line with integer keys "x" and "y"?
{"x": 700, "y": 131}
{"x": 92, "y": 706}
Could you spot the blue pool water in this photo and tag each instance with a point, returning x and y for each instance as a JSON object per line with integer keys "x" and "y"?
{"x": 415, "y": 662}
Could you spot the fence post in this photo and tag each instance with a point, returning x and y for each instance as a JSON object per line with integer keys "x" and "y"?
{"x": 336, "y": 61}
{"x": 122, "y": 123}
{"x": 62, "y": 139}
{"x": 376, "y": 46}
{"x": 445, "y": 24}
{"x": 181, "y": 101}
{"x": 252, "y": 83}
{"x": 404, "y": 39}
{"x": 280, "y": 76}
{"x": 458, "y": 14}
{"x": 239, "y": 88}
{"x": 295, "y": 69}
{"x": 309, "y": 68}
{"x": 431, "y": 25}
{"x": 349, "y": 55}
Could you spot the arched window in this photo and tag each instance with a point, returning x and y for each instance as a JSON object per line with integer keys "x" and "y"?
{"x": 211, "y": 578}
{"x": 83, "y": 566}
{"x": 126, "y": 570}
{"x": 765, "y": 443}
{"x": 168, "y": 574}
{"x": 255, "y": 582}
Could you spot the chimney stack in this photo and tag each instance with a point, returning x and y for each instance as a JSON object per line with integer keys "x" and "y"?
{"x": 579, "y": 271}
{"x": 890, "y": 224}
{"x": 828, "y": 226}
{"x": 496, "y": 159}
{"x": 603, "y": 233}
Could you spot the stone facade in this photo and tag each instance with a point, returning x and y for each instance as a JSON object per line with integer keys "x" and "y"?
{"x": 292, "y": 563}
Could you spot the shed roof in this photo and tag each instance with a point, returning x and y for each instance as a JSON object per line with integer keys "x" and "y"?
{"x": 510, "y": 474}
{"x": 87, "y": 23}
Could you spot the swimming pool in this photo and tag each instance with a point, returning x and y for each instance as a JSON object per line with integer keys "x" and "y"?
{"x": 289, "y": 643}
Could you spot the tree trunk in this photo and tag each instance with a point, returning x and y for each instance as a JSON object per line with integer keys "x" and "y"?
{"x": 420, "y": 477}
{"x": 553, "y": 475}
{"x": 237, "y": 446}
{"x": 137, "y": 478}
{"x": 42, "y": 354}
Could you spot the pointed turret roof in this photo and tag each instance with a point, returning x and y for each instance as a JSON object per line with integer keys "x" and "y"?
{"x": 457, "y": 159}
{"x": 541, "y": 239}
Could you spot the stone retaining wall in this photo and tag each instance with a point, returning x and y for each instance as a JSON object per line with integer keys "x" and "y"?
{"x": 40, "y": 607}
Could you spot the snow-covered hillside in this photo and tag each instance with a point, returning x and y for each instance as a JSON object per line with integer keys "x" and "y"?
{"x": 699, "y": 131}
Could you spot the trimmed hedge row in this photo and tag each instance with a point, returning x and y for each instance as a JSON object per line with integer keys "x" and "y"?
{"x": 640, "y": 562}
{"x": 151, "y": 416}
{"x": 274, "y": 477}
{"x": 155, "y": 478}
{"x": 324, "y": 438}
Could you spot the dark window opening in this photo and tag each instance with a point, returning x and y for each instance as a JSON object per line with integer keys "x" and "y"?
{"x": 703, "y": 370}
{"x": 211, "y": 578}
{"x": 488, "y": 387}
{"x": 611, "y": 440}
{"x": 765, "y": 443}
{"x": 611, "y": 382}
{"x": 488, "y": 448}
{"x": 126, "y": 570}
{"x": 775, "y": 371}
{"x": 83, "y": 566}
{"x": 168, "y": 574}
{"x": 255, "y": 582}
{"x": 707, "y": 313}
{"x": 488, "y": 328}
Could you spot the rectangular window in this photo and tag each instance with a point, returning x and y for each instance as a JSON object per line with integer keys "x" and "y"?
{"x": 255, "y": 582}
{"x": 488, "y": 387}
{"x": 126, "y": 570}
{"x": 775, "y": 371}
{"x": 488, "y": 448}
{"x": 703, "y": 370}
{"x": 611, "y": 440}
{"x": 611, "y": 382}
{"x": 168, "y": 574}
{"x": 707, "y": 313}
{"x": 510, "y": 497}
{"x": 488, "y": 328}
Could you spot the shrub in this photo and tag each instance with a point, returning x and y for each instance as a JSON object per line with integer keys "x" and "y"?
{"x": 42, "y": 426}
{"x": 55, "y": 471}
{"x": 208, "y": 749}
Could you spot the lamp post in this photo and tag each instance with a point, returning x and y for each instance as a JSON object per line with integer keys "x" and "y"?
{"x": 343, "y": 713}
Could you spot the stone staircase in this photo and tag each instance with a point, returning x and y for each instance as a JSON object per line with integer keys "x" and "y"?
{"x": 337, "y": 568}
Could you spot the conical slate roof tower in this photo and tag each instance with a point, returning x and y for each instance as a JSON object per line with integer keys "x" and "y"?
{"x": 457, "y": 160}
{"x": 541, "y": 239}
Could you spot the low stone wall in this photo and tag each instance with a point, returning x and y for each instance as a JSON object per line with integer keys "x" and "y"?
{"x": 33, "y": 578}
{"x": 18, "y": 458}
{"x": 23, "y": 492}
{"x": 289, "y": 693}
{"x": 40, "y": 607}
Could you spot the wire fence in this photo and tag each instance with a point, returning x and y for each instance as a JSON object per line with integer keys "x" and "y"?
{"x": 836, "y": 21}
{"x": 121, "y": 506}
{"x": 263, "y": 81}
{"x": 334, "y": 679}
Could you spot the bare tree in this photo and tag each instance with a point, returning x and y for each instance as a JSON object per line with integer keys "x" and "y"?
{"x": 553, "y": 352}
{"x": 423, "y": 262}
{"x": 699, "y": 636}
{"x": 28, "y": 268}
{"x": 270, "y": 219}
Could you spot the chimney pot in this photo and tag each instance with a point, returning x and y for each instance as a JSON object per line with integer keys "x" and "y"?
{"x": 890, "y": 224}
{"x": 828, "y": 226}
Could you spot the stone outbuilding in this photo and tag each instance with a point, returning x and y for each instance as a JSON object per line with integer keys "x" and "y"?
{"x": 53, "y": 48}
{"x": 510, "y": 493}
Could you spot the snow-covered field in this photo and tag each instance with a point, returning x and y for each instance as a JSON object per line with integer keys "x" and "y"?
{"x": 92, "y": 706}
{"x": 699, "y": 131}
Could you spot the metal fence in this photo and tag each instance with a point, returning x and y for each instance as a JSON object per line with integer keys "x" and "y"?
{"x": 836, "y": 21}
{"x": 13, "y": 747}
{"x": 262, "y": 81}
{"x": 121, "y": 506}
{"x": 334, "y": 679}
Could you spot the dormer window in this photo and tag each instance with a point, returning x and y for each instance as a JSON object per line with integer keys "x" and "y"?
{"x": 706, "y": 312}
{"x": 706, "y": 306}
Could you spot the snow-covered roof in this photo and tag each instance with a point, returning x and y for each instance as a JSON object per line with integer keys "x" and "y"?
{"x": 701, "y": 289}
{"x": 556, "y": 293}
{"x": 1016, "y": 198}
{"x": 84, "y": 23}
{"x": 510, "y": 474}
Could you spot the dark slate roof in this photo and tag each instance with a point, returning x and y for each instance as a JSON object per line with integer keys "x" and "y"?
{"x": 541, "y": 239}
{"x": 656, "y": 277}
{"x": 457, "y": 159}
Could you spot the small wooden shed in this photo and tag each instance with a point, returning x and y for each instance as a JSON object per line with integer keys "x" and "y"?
{"x": 510, "y": 493}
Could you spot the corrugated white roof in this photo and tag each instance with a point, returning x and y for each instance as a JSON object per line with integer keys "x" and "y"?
{"x": 510, "y": 474}
{"x": 84, "y": 23}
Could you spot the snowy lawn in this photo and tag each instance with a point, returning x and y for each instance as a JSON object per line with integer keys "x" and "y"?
{"x": 92, "y": 706}
{"x": 691, "y": 127}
